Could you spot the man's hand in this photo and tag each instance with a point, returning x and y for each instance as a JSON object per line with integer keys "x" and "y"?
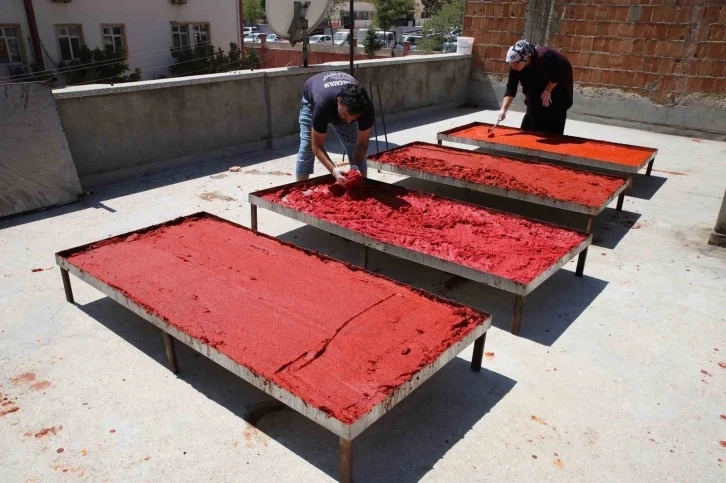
{"x": 546, "y": 98}
{"x": 339, "y": 174}
{"x": 502, "y": 115}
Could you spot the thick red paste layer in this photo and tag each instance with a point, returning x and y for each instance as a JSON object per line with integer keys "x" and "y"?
{"x": 567, "y": 145}
{"x": 545, "y": 180}
{"x": 339, "y": 338}
{"x": 490, "y": 241}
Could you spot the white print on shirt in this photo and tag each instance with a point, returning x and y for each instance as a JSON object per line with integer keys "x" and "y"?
{"x": 337, "y": 79}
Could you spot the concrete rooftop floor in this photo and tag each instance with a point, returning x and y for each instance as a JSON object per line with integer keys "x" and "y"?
{"x": 615, "y": 376}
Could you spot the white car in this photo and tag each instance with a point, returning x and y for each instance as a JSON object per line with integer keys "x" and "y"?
{"x": 321, "y": 39}
{"x": 256, "y": 38}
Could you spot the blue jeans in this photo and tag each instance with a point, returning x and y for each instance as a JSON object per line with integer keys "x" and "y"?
{"x": 347, "y": 134}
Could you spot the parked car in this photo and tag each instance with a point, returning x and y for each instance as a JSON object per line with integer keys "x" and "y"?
{"x": 321, "y": 39}
{"x": 255, "y": 37}
{"x": 412, "y": 39}
{"x": 341, "y": 38}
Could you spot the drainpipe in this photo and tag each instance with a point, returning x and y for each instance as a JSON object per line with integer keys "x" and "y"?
{"x": 718, "y": 236}
{"x": 35, "y": 38}
{"x": 241, "y": 28}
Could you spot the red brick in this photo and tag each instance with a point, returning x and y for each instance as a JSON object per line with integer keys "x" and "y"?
{"x": 639, "y": 80}
{"x": 498, "y": 10}
{"x": 574, "y": 58}
{"x": 591, "y": 28}
{"x": 626, "y": 46}
{"x": 615, "y": 61}
{"x": 583, "y": 59}
{"x": 471, "y": 9}
{"x": 716, "y": 33}
{"x": 506, "y": 9}
{"x": 711, "y": 15}
{"x": 618, "y": 77}
{"x": 607, "y": 77}
{"x": 467, "y": 23}
{"x": 661, "y": 49}
{"x": 718, "y": 70}
{"x": 650, "y": 64}
{"x": 649, "y": 31}
{"x": 691, "y": 67}
{"x": 675, "y": 49}
{"x": 635, "y": 62}
{"x": 613, "y": 29}
{"x": 626, "y": 29}
{"x": 684, "y": 15}
{"x": 722, "y": 16}
{"x": 622, "y": 14}
{"x": 587, "y": 44}
{"x": 590, "y": 12}
{"x": 495, "y": 38}
{"x": 707, "y": 84}
{"x": 586, "y": 75}
{"x": 638, "y": 46}
{"x": 651, "y": 46}
{"x": 678, "y": 66}
{"x": 704, "y": 67}
{"x": 594, "y": 60}
{"x": 658, "y": 14}
{"x": 502, "y": 24}
{"x": 694, "y": 84}
{"x": 488, "y": 10}
{"x": 716, "y": 51}
{"x": 719, "y": 85}
{"x": 646, "y": 14}
{"x": 598, "y": 45}
{"x": 602, "y": 29}
{"x": 637, "y": 30}
{"x": 475, "y": 23}
{"x": 596, "y": 76}
{"x": 486, "y": 37}
{"x": 681, "y": 84}
{"x": 677, "y": 32}
{"x": 670, "y": 14}
{"x": 666, "y": 66}
{"x": 661, "y": 31}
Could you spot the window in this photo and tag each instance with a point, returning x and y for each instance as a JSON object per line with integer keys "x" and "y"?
{"x": 113, "y": 37}
{"x": 189, "y": 35}
{"x": 9, "y": 45}
{"x": 69, "y": 41}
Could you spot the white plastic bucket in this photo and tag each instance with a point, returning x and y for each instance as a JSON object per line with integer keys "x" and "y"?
{"x": 464, "y": 45}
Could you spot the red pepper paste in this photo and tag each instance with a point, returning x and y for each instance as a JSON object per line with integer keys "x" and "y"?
{"x": 330, "y": 333}
{"x": 566, "y": 145}
{"x": 540, "y": 179}
{"x": 510, "y": 246}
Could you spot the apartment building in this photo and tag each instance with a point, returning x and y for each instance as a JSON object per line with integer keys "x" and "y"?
{"x": 364, "y": 12}
{"x": 145, "y": 29}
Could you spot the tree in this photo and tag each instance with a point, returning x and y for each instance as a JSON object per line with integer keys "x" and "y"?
{"x": 334, "y": 7}
{"x": 387, "y": 11}
{"x": 205, "y": 59}
{"x": 438, "y": 28}
{"x": 371, "y": 44}
{"x": 431, "y": 7}
{"x": 103, "y": 66}
{"x": 252, "y": 10}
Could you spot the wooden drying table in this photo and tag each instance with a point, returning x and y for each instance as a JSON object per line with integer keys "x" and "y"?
{"x": 171, "y": 261}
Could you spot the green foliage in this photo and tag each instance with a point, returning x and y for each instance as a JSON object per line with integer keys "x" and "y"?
{"x": 431, "y": 7}
{"x": 389, "y": 10}
{"x": 252, "y": 10}
{"x": 371, "y": 45}
{"x": 104, "y": 66}
{"x": 438, "y": 28}
{"x": 205, "y": 59}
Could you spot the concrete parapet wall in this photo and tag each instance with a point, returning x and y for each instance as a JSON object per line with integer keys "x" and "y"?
{"x": 114, "y": 128}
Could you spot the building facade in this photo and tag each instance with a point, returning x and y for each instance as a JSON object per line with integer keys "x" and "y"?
{"x": 147, "y": 30}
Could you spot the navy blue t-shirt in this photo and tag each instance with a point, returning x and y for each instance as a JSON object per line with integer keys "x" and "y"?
{"x": 322, "y": 91}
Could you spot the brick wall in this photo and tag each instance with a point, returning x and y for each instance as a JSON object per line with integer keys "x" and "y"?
{"x": 495, "y": 25}
{"x": 660, "y": 49}
{"x": 272, "y": 58}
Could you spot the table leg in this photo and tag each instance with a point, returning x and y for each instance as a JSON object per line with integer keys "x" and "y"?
{"x": 621, "y": 199}
{"x": 581, "y": 263}
{"x": 345, "y": 460}
{"x": 67, "y": 285}
{"x": 253, "y": 217}
{"x": 170, "y": 352}
{"x": 588, "y": 228}
{"x": 364, "y": 256}
{"x": 517, "y": 318}
{"x": 478, "y": 353}
{"x": 650, "y": 167}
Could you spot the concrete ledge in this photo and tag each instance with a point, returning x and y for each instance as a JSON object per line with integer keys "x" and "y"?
{"x": 89, "y": 90}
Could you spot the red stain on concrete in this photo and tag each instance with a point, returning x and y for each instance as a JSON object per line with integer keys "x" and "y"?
{"x": 722, "y": 443}
{"x": 538, "y": 179}
{"x": 722, "y": 365}
{"x": 489, "y": 355}
{"x": 112, "y": 431}
{"x": 9, "y": 410}
{"x": 48, "y": 431}
{"x": 26, "y": 377}
{"x": 39, "y": 386}
{"x": 705, "y": 372}
{"x": 320, "y": 356}
{"x": 59, "y": 450}
{"x": 558, "y": 463}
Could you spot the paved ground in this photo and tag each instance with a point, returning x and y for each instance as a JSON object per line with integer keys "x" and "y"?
{"x": 615, "y": 377}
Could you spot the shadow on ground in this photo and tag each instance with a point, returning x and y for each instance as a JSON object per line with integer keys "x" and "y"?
{"x": 402, "y": 446}
{"x": 608, "y": 229}
{"x": 645, "y": 187}
{"x": 548, "y": 311}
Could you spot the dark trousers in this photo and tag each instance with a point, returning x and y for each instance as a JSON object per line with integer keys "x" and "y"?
{"x": 545, "y": 120}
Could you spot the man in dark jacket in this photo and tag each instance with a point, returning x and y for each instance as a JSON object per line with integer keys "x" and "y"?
{"x": 546, "y": 79}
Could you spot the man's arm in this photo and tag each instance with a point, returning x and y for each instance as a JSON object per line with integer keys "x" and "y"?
{"x": 318, "y": 142}
{"x": 361, "y": 147}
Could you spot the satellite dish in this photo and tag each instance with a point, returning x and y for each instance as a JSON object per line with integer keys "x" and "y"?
{"x": 281, "y": 15}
